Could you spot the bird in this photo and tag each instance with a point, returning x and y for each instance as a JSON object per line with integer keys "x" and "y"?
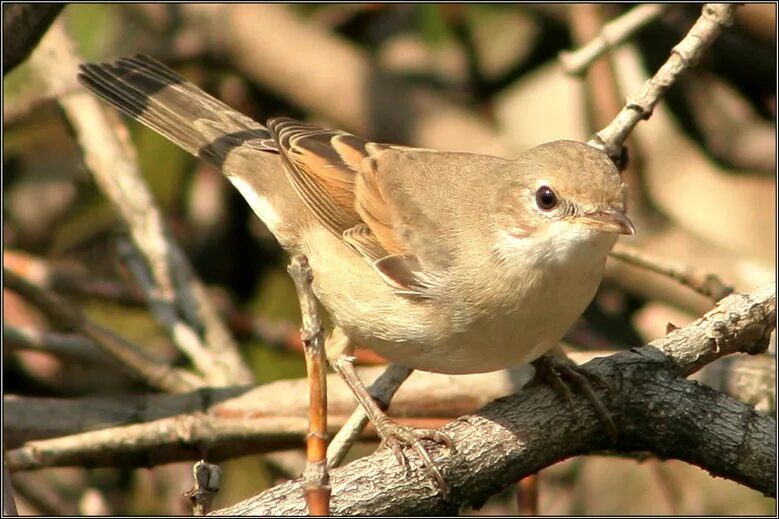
{"x": 439, "y": 261}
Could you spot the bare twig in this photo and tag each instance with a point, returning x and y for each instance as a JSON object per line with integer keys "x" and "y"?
{"x": 29, "y": 419}
{"x": 240, "y": 420}
{"x": 207, "y": 478}
{"x": 740, "y": 323}
{"x": 152, "y": 371}
{"x": 65, "y": 345}
{"x": 613, "y": 34}
{"x": 69, "y": 278}
{"x": 685, "y": 55}
{"x": 704, "y": 283}
{"x": 42, "y": 496}
{"x": 176, "y": 296}
{"x": 317, "y": 488}
{"x": 383, "y": 389}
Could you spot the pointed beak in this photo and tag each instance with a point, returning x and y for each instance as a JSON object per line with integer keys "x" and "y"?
{"x": 614, "y": 221}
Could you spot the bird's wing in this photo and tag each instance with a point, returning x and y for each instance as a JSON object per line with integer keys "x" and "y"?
{"x": 400, "y": 208}
{"x": 334, "y": 173}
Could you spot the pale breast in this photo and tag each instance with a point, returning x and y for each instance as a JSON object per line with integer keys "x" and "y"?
{"x": 456, "y": 334}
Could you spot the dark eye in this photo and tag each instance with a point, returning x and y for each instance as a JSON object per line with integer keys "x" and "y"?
{"x": 546, "y": 199}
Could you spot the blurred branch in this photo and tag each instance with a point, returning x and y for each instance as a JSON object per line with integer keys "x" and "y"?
{"x": 612, "y": 34}
{"x": 226, "y": 413}
{"x": 144, "y": 420}
{"x": 685, "y": 55}
{"x": 748, "y": 379}
{"x": 652, "y": 417}
{"x": 70, "y": 279}
{"x": 152, "y": 371}
{"x": 23, "y": 27}
{"x": 64, "y": 345}
{"x": 273, "y": 46}
{"x": 730, "y": 128}
{"x": 704, "y": 283}
{"x": 527, "y": 496}
{"x": 9, "y": 503}
{"x": 177, "y": 298}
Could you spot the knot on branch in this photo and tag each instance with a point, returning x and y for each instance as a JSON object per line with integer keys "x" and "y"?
{"x": 723, "y": 15}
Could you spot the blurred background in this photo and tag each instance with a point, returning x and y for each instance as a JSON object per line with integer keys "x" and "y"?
{"x": 482, "y": 78}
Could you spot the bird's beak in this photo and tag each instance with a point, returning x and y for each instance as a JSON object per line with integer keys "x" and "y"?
{"x": 608, "y": 221}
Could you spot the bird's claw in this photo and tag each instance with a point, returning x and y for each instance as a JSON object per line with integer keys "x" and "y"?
{"x": 397, "y": 437}
{"x": 560, "y": 373}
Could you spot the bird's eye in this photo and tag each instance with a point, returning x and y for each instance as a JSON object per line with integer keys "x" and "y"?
{"x": 546, "y": 199}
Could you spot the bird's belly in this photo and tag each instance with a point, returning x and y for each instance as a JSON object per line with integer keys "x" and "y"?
{"x": 440, "y": 336}
{"x": 485, "y": 345}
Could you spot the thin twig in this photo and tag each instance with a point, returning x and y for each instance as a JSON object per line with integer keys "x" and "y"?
{"x": 613, "y": 34}
{"x": 65, "y": 345}
{"x": 176, "y": 296}
{"x": 317, "y": 487}
{"x": 154, "y": 372}
{"x": 383, "y": 389}
{"x": 707, "y": 284}
{"x": 207, "y": 478}
{"x": 70, "y": 279}
{"x": 685, "y": 55}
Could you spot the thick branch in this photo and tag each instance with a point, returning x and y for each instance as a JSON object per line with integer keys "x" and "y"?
{"x": 750, "y": 379}
{"x": 515, "y": 436}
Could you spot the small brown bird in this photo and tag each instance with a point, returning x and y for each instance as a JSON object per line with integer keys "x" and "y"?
{"x": 438, "y": 261}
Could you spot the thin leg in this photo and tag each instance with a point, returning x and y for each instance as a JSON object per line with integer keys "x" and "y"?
{"x": 382, "y": 390}
{"x": 392, "y": 435}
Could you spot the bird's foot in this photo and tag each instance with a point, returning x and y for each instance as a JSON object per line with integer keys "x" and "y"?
{"x": 562, "y": 373}
{"x": 399, "y": 437}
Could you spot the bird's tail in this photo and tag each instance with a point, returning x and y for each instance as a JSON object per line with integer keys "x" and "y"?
{"x": 158, "y": 97}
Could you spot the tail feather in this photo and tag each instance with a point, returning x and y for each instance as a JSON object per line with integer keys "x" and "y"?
{"x": 161, "y": 99}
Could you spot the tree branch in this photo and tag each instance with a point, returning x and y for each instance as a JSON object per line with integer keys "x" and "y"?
{"x": 154, "y": 372}
{"x": 612, "y": 34}
{"x": 685, "y": 55}
{"x": 518, "y": 435}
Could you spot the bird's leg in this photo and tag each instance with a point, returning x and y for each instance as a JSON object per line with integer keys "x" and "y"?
{"x": 556, "y": 369}
{"x": 393, "y": 435}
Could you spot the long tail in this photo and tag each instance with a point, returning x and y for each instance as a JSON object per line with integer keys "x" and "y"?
{"x": 238, "y": 146}
{"x": 155, "y": 95}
